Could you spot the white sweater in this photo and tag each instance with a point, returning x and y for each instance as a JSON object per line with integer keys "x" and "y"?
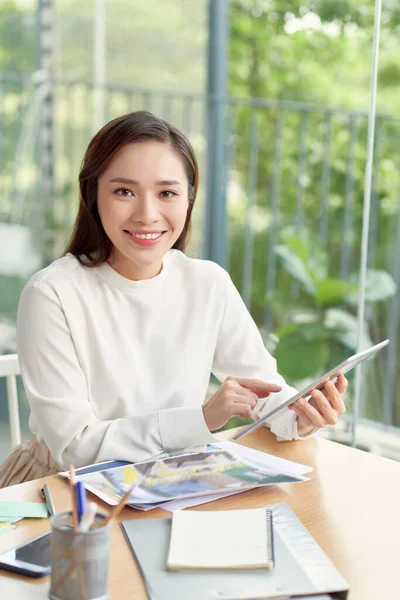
{"x": 119, "y": 369}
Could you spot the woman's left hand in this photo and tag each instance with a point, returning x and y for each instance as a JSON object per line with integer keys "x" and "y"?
{"x": 324, "y": 407}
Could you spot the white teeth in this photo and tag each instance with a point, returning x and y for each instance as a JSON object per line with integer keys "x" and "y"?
{"x": 146, "y": 236}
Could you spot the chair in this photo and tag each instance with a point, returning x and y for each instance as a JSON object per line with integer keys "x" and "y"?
{"x": 9, "y": 368}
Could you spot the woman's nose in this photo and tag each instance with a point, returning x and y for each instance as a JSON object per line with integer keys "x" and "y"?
{"x": 146, "y": 210}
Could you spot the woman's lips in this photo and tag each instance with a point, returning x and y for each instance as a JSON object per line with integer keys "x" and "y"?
{"x": 144, "y": 241}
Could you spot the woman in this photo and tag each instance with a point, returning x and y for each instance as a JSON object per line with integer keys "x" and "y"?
{"x": 117, "y": 339}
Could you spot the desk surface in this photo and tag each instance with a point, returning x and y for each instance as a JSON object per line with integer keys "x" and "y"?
{"x": 350, "y": 506}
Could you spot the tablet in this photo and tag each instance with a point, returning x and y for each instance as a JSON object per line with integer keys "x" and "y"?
{"x": 31, "y": 558}
{"x": 343, "y": 368}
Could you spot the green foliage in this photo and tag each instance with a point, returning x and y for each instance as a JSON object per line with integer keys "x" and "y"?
{"x": 299, "y": 357}
{"x": 327, "y": 64}
{"x": 346, "y": 325}
{"x": 296, "y": 267}
{"x": 18, "y": 41}
{"x": 379, "y": 287}
{"x": 305, "y": 339}
{"x": 273, "y": 59}
{"x": 330, "y": 291}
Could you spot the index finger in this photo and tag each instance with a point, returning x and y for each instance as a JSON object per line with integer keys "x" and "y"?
{"x": 259, "y": 387}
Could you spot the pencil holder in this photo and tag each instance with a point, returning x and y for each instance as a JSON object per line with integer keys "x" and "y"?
{"x": 79, "y": 560}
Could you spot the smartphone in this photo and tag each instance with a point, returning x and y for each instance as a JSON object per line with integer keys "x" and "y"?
{"x": 318, "y": 384}
{"x": 31, "y": 558}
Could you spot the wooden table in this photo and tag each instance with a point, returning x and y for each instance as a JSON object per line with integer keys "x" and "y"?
{"x": 351, "y": 506}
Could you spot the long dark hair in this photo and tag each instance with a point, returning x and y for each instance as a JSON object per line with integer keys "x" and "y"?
{"x": 88, "y": 237}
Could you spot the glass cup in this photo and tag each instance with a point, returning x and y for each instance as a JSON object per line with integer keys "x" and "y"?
{"x": 79, "y": 560}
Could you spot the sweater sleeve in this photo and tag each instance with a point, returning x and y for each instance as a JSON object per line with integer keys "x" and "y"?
{"x": 61, "y": 408}
{"x": 240, "y": 352}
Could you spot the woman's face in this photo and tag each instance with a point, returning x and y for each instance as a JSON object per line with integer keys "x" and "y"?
{"x": 143, "y": 200}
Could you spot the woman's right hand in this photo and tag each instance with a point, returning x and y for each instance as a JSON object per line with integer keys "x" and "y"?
{"x": 237, "y": 396}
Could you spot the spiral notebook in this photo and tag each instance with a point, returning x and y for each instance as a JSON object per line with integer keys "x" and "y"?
{"x": 221, "y": 540}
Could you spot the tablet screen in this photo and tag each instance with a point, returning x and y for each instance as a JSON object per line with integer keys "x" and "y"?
{"x": 36, "y": 552}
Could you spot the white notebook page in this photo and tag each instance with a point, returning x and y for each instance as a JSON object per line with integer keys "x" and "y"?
{"x": 218, "y": 540}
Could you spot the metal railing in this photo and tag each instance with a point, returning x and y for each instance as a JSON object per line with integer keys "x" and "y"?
{"x": 287, "y": 163}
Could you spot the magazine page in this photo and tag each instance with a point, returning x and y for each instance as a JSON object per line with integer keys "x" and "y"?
{"x": 189, "y": 475}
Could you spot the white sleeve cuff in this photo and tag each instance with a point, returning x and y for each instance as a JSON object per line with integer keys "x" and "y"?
{"x": 284, "y": 426}
{"x": 283, "y": 422}
{"x": 304, "y": 437}
{"x": 182, "y": 427}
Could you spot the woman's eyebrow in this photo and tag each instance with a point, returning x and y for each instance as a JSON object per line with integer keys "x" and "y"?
{"x": 123, "y": 180}
{"x": 135, "y": 182}
{"x": 168, "y": 182}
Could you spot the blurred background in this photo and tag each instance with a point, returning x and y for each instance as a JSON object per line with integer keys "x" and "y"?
{"x": 274, "y": 97}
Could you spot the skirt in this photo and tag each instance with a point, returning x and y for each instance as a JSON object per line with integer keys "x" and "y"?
{"x": 30, "y": 460}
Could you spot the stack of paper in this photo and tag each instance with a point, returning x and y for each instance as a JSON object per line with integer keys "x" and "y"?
{"x": 11, "y": 512}
{"x": 192, "y": 478}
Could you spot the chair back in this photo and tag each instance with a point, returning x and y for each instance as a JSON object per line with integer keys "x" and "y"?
{"x": 9, "y": 368}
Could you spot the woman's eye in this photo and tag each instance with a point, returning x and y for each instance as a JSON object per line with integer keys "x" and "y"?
{"x": 123, "y": 192}
{"x": 168, "y": 194}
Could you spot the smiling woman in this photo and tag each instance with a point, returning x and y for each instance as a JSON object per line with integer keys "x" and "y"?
{"x": 145, "y": 218}
{"x": 117, "y": 339}
{"x": 135, "y": 156}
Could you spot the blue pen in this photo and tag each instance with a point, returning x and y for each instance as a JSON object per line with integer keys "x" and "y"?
{"x": 80, "y": 499}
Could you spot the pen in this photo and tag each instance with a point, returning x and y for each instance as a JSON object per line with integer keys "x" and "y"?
{"x": 72, "y": 483}
{"x": 46, "y": 495}
{"x": 80, "y": 499}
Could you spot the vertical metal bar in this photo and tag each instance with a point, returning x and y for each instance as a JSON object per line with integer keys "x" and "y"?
{"x": 323, "y": 229}
{"x": 68, "y": 95}
{"x": 251, "y": 201}
{"x": 366, "y": 211}
{"x": 215, "y": 221}
{"x": 274, "y": 223}
{"x": 345, "y": 256}
{"x": 373, "y": 226}
{"x": 300, "y": 174}
{"x": 46, "y": 18}
{"x": 301, "y": 170}
{"x": 393, "y": 326}
{"x": 372, "y": 235}
{"x": 76, "y": 139}
{"x": 230, "y": 152}
{"x": 99, "y": 62}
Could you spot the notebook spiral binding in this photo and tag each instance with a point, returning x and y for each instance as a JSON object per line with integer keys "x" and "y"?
{"x": 270, "y": 537}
